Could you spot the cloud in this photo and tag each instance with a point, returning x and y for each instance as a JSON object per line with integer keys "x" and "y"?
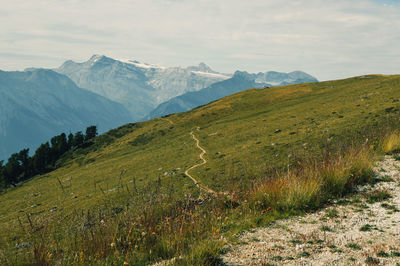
{"x": 329, "y": 39}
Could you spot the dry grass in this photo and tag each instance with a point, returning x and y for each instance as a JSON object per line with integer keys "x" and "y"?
{"x": 285, "y": 192}
{"x": 314, "y": 183}
{"x": 391, "y": 142}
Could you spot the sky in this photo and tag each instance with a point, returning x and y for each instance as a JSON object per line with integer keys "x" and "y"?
{"x": 329, "y": 39}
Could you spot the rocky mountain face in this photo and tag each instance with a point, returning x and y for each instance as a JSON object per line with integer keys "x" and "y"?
{"x": 280, "y": 79}
{"x": 139, "y": 87}
{"x": 36, "y": 105}
{"x": 239, "y": 82}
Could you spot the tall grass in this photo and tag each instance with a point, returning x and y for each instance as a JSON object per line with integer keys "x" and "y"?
{"x": 314, "y": 183}
{"x": 391, "y": 142}
{"x": 166, "y": 228}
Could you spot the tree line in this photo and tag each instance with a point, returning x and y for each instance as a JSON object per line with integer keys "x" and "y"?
{"x": 20, "y": 166}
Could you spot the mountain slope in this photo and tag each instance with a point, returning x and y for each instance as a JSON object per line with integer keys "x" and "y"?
{"x": 239, "y": 82}
{"x": 127, "y": 198}
{"x": 36, "y": 105}
{"x": 240, "y": 127}
{"x": 139, "y": 87}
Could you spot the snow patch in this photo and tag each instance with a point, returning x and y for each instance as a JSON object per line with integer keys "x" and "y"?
{"x": 273, "y": 83}
{"x": 141, "y": 65}
{"x": 210, "y": 74}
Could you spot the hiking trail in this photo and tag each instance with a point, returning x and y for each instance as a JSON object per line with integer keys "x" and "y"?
{"x": 204, "y": 161}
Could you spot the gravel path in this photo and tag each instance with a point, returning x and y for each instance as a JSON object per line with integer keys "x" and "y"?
{"x": 361, "y": 230}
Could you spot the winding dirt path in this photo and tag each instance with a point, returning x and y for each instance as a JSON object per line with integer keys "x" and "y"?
{"x": 204, "y": 161}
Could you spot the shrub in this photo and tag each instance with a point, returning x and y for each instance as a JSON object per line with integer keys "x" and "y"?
{"x": 378, "y": 196}
{"x": 354, "y": 246}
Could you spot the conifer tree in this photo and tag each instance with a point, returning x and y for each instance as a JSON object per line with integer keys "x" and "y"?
{"x": 70, "y": 141}
{"x": 62, "y": 144}
{"x": 12, "y": 170}
{"x": 91, "y": 132}
{"x": 41, "y": 158}
{"x": 2, "y": 181}
{"x": 79, "y": 138}
{"x": 25, "y": 163}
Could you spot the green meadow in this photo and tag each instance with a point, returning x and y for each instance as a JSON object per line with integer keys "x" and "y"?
{"x": 276, "y": 152}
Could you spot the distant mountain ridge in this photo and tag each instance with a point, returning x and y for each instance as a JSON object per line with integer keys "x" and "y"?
{"x": 138, "y": 86}
{"x": 36, "y": 105}
{"x": 280, "y": 79}
{"x": 240, "y": 81}
{"x": 109, "y": 92}
{"x": 144, "y": 89}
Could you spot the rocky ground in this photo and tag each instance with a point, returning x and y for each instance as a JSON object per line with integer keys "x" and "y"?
{"x": 363, "y": 229}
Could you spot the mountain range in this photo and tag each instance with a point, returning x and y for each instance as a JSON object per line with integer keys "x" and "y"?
{"x": 139, "y": 87}
{"x": 148, "y": 91}
{"x": 39, "y": 103}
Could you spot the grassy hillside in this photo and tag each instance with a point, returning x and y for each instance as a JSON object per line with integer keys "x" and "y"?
{"x": 132, "y": 178}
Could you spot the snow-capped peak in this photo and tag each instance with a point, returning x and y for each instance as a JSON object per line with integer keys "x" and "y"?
{"x": 95, "y": 58}
{"x": 202, "y": 67}
{"x": 141, "y": 65}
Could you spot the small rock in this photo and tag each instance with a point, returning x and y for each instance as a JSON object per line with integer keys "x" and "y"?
{"x": 277, "y": 131}
{"x": 23, "y": 245}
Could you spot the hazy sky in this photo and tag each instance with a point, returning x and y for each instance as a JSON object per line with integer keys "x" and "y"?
{"x": 326, "y": 38}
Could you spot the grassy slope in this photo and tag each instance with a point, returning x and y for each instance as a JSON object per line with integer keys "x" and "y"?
{"x": 238, "y": 133}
